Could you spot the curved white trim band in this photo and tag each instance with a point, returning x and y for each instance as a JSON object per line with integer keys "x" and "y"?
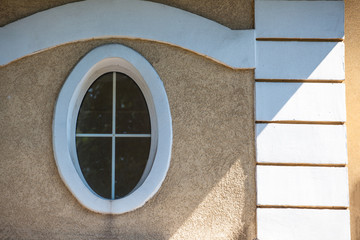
{"x": 112, "y": 57}
{"x": 127, "y": 18}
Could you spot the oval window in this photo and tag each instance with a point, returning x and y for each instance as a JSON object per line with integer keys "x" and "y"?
{"x": 113, "y": 135}
{"x": 112, "y": 130}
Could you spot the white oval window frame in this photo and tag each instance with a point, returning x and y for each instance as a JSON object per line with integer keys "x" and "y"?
{"x": 112, "y": 58}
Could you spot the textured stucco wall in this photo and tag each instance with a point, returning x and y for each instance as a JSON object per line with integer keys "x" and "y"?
{"x": 209, "y": 192}
{"x": 352, "y": 83}
{"x": 12, "y": 10}
{"x": 235, "y": 14}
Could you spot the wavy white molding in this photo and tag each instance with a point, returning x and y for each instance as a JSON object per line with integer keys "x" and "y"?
{"x": 129, "y": 19}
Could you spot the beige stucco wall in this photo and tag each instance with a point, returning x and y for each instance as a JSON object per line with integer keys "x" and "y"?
{"x": 235, "y": 14}
{"x": 352, "y": 82}
{"x": 209, "y": 192}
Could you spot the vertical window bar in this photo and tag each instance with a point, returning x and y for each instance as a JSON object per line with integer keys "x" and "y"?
{"x": 113, "y": 138}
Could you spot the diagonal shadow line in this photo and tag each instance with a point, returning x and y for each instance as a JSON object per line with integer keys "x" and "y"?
{"x": 272, "y": 97}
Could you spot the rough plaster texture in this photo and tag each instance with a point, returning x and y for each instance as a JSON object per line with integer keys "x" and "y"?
{"x": 235, "y": 14}
{"x": 209, "y": 192}
{"x": 352, "y": 59}
{"x": 12, "y": 10}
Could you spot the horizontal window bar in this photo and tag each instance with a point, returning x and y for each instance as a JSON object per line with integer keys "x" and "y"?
{"x": 94, "y": 135}
{"x": 110, "y": 135}
{"x": 132, "y": 135}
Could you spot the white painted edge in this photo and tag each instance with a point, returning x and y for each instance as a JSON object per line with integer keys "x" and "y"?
{"x": 300, "y": 60}
{"x": 282, "y": 101}
{"x": 300, "y": 0}
{"x": 301, "y": 143}
{"x": 302, "y": 186}
{"x": 299, "y": 19}
{"x": 113, "y": 57}
{"x": 300, "y": 224}
{"x": 117, "y": 18}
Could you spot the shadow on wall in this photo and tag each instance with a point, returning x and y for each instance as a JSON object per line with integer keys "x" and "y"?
{"x": 284, "y": 101}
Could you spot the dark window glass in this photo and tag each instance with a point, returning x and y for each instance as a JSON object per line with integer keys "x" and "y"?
{"x": 131, "y": 158}
{"x": 94, "y": 156}
{"x": 132, "y": 115}
{"x": 95, "y": 115}
{"x": 105, "y": 122}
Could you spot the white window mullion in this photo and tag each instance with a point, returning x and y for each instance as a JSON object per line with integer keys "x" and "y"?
{"x": 113, "y": 138}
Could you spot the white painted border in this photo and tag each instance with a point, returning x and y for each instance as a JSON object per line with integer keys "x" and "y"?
{"x": 301, "y": 143}
{"x": 301, "y": 224}
{"x": 299, "y": 19}
{"x": 302, "y": 186}
{"x": 300, "y": 60}
{"x": 127, "y": 19}
{"x": 282, "y": 101}
{"x": 113, "y": 57}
